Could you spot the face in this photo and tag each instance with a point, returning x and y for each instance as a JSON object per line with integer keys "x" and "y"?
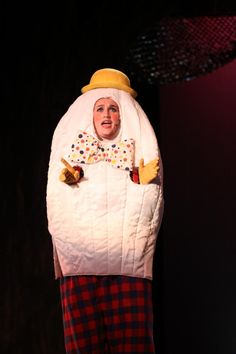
{"x": 106, "y": 118}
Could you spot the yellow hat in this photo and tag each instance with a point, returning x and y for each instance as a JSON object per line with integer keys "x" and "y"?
{"x": 110, "y": 78}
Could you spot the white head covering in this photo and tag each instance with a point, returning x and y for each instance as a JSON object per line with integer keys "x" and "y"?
{"x": 134, "y": 124}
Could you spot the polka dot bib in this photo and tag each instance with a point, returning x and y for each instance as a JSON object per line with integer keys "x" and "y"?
{"x": 88, "y": 149}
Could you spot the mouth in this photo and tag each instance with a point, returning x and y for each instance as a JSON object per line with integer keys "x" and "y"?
{"x": 106, "y": 123}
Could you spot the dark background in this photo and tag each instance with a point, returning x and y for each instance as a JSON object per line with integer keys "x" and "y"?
{"x": 48, "y": 52}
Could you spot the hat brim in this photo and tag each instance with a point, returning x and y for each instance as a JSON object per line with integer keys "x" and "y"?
{"x": 110, "y": 84}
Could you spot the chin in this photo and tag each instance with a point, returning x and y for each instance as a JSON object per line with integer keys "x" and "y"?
{"x": 108, "y": 135}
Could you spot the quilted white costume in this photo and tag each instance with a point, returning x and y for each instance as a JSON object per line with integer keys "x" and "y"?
{"x": 107, "y": 224}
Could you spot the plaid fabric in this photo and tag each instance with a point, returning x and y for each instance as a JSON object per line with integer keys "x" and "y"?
{"x": 107, "y": 314}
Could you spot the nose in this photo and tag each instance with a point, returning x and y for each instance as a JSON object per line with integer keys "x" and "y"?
{"x": 107, "y": 113}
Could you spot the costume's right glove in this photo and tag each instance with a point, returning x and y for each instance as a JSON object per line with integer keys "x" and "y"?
{"x": 67, "y": 177}
{"x": 70, "y": 175}
{"x": 148, "y": 172}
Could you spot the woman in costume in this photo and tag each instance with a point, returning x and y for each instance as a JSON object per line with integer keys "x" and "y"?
{"x": 105, "y": 206}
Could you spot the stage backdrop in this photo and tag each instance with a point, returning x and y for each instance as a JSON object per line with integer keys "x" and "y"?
{"x": 47, "y": 56}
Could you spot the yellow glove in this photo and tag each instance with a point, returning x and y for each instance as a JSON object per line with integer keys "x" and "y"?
{"x": 148, "y": 172}
{"x": 70, "y": 175}
{"x": 67, "y": 177}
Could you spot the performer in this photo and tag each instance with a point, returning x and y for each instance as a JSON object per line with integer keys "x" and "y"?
{"x": 105, "y": 206}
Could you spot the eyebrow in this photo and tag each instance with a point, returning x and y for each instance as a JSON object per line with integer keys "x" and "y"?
{"x": 111, "y": 105}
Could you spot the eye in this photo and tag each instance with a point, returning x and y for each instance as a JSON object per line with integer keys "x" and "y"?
{"x": 114, "y": 109}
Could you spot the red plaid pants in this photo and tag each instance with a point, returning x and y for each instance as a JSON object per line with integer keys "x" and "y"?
{"x": 107, "y": 314}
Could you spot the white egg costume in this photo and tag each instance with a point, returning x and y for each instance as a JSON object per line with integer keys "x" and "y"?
{"x": 107, "y": 224}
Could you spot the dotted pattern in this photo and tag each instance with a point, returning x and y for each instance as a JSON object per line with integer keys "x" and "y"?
{"x": 87, "y": 149}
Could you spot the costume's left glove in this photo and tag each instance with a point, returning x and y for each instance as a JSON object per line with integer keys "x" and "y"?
{"x": 147, "y": 173}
